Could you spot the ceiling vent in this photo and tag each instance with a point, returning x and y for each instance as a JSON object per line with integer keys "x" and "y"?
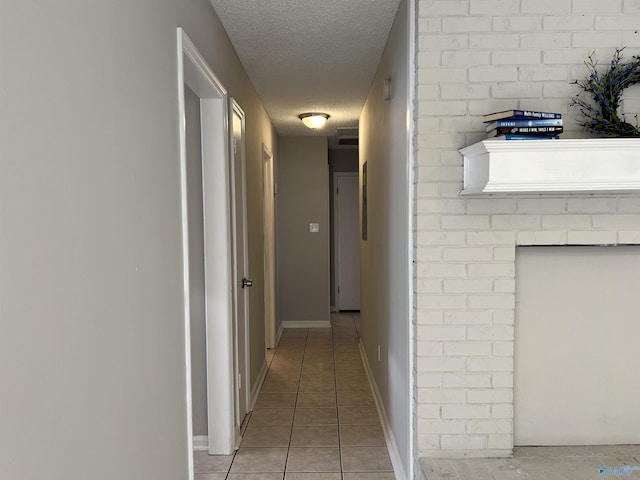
{"x": 347, "y": 136}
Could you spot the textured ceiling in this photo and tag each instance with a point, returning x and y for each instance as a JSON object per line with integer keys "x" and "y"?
{"x": 309, "y": 55}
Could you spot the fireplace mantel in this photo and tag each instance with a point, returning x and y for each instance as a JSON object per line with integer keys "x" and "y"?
{"x": 609, "y": 165}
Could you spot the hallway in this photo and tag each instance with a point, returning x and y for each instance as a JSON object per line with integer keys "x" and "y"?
{"x": 315, "y": 418}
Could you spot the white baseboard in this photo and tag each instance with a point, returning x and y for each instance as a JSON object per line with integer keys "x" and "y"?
{"x": 255, "y": 389}
{"x": 307, "y": 324}
{"x": 384, "y": 420}
{"x": 201, "y": 442}
{"x": 279, "y": 334}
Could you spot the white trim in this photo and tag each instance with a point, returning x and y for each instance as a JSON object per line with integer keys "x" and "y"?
{"x": 279, "y": 334}
{"x": 396, "y": 460}
{"x": 270, "y": 297}
{"x": 336, "y": 249}
{"x": 255, "y": 390}
{"x": 194, "y": 72}
{"x": 411, "y": 161}
{"x": 200, "y": 443}
{"x": 306, "y": 323}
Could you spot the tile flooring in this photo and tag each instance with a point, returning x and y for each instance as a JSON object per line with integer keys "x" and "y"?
{"x": 315, "y": 418}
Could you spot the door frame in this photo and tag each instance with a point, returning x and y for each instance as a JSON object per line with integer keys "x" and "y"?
{"x": 194, "y": 72}
{"x": 336, "y": 259}
{"x": 245, "y": 375}
{"x": 269, "y": 192}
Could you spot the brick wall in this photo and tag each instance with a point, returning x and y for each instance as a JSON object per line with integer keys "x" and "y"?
{"x": 476, "y": 57}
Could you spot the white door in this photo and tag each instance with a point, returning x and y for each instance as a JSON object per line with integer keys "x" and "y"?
{"x": 268, "y": 185}
{"x": 347, "y": 252}
{"x": 242, "y": 283}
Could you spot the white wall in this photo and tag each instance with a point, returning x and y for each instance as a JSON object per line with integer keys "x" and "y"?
{"x": 384, "y": 267}
{"x": 303, "y": 257}
{"x": 91, "y": 346}
{"x": 475, "y": 57}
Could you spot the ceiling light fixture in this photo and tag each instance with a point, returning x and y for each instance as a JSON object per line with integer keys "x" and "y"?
{"x": 314, "y": 120}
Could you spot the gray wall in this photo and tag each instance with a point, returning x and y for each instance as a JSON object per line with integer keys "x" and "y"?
{"x": 92, "y": 336}
{"x": 303, "y": 257}
{"x": 340, "y": 160}
{"x": 384, "y": 269}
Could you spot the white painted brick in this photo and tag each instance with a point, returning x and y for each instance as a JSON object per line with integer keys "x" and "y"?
{"x": 458, "y": 124}
{"x": 502, "y": 411}
{"x": 517, "y": 23}
{"x": 504, "y": 317}
{"x": 592, "y": 238}
{"x": 464, "y": 91}
{"x": 451, "y": 157}
{"x": 616, "y": 22}
{"x": 592, "y": 205}
{"x": 630, "y": 236}
{"x": 542, "y": 205}
{"x": 447, "y": 332}
{"x": 428, "y": 92}
{"x": 438, "y": 396}
{"x": 429, "y": 349}
{"x": 490, "y": 395}
{"x": 480, "y": 107}
{"x": 555, "y": 222}
{"x": 461, "y": 380}
{"x": 559, "y": 90}
{"x": 515, "y": 222}
{"x": 427, "y": 190}
{"x": 493, "y": 74}
{"x": 430, "y": 317}
{"x": 631, "y": 39}
{"x": 503, "y": 349}
{"x": 491, "y": 238}
{"x": 466, "y": 24}
{"x": 464, "y": 222}
{"x": 631, "y": 205}
{"x": 496, "y": 301}
{"x": 491, "y": 270}
{"x": 631, "y": 6}
{"x": 429, "y": 25}
{"x": 447, "y": 205}
{"x": 463, "y": 442}
{"x": 558, "y": 7}
{"x": 440, "y": 238}
{"x": 516, "y": 57}
{"x": 466, "y": 411}
{"x": 540, "y": 73}
{"x": 430, "y": 254}
{"x": 492, "y": 41}
{"x": 477, "y": 254}
{"x": 494, "y": 7}
{"x": 506, "y": 285}
{"x": 566, "y": 56}
{"x": 455, "y": 141}
{"x": 468, "y": 286}
{"x": 491, "y": 205}
{"x": 431, "y": 411}
{"x": 542, "y": 238}
{"x": 429, "y": 442}
{"x": 439, "y": 75}
{"x": 468, "y": 317}
{"x": 491, "y": 332}
{"x": 465, "y": 58}
{"x": 623, "y": 222}
{"x": 440, "y": 364}
{"x": 547, "y": 40}
{"x": 568, "y": 22}
{"x": 516, "y": 90}
{"x": 425, "y": 381}
{"x": 443, "y": 7}
{"x": 489, "y": 426}
{"x": 601, "y": 39}
{"x": 442, "y": 426}
{"x": 428, "y": 59}
{"x": 440, "y": 302}
{"x": 497, "y": 441}
{"x": 502, "y": 380}
{"x": 446, "y": 270}
{"x": 497, "y": 364}
{"x": 597, "y": 6}
{"x": 463, "y": 349}
{"x": 442, "y": 42}
{"x": 504, "y": 254}
{"x": 424, "y": 285}
{"x": 442, "y": 108}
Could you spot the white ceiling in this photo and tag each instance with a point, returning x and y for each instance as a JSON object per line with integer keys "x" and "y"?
{"x": 309, "y": 55}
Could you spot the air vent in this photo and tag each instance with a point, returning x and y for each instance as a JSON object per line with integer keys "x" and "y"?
{"x": 347, "y": 136}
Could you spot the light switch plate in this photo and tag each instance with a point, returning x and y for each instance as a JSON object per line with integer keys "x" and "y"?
{"x": 314, "y": 227}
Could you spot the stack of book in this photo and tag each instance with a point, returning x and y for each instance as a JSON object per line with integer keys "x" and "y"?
{"x": 523, "y": 125}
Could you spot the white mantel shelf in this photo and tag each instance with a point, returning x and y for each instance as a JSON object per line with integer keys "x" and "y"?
{"x": 552, "y": 166}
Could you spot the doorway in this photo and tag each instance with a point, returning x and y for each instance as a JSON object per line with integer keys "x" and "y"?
{"x": 346, "y": 241}
{"x": 197, "y": 76}
{"x": 268, "y": 185}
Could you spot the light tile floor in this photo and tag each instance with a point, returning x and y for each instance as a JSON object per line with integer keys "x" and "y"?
{"x": 315, "y": 418}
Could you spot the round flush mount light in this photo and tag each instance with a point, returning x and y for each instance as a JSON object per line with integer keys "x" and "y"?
{"x": 314, "y": 120}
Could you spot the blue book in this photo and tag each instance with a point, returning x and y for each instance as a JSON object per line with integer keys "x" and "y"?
{"x": 520, "y": 115}
{"x": 513, "y": 136}
{"x": 543, "y": 122}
